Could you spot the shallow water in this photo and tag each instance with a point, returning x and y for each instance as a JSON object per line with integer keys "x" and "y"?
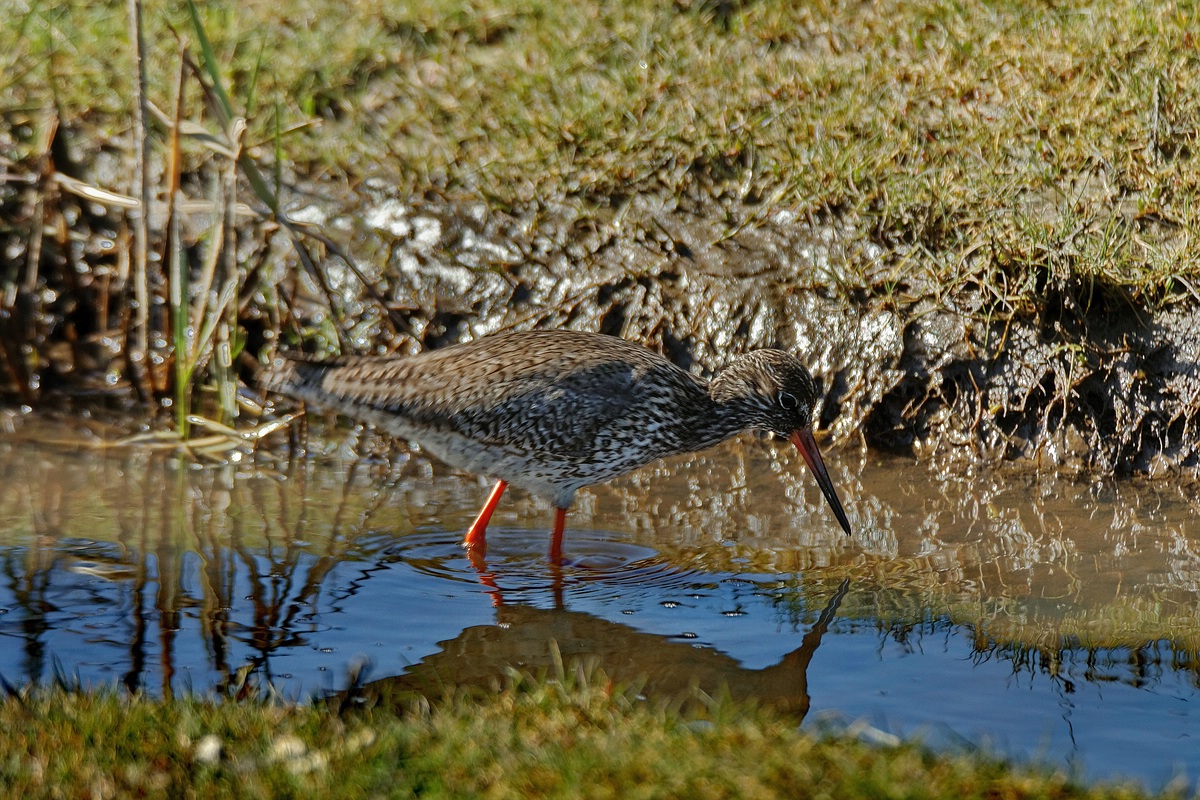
{"x": 1041, "y": 617}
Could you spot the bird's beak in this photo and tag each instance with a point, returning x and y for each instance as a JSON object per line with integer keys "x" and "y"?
{"x": 807, "y": 445}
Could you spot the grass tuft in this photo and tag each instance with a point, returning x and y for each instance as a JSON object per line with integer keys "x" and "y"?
{"x": 547, "y": 739}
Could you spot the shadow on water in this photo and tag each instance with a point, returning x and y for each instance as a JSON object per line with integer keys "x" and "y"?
{"x": 1048, "y": 617}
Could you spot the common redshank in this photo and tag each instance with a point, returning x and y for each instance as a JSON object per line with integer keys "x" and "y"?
{"x": 554, "y": 411}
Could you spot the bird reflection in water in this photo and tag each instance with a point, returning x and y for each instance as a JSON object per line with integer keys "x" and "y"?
{"x": 547, "y": 641}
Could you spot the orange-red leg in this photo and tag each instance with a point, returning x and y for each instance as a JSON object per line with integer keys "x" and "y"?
{"x": 475, "y": 540}
{"x": 560, "y": 523}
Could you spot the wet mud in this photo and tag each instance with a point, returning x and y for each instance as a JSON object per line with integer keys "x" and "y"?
{"x": 1079, "y": 380}
{"x": 1073, "y": 377}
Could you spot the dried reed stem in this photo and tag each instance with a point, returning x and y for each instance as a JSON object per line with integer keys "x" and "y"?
{"x": 137, "y": 336}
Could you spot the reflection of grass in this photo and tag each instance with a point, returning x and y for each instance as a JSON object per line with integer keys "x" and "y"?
{"x": 897, "y": 594}
{"x": 242, "y": 557}
{"x": 547, "y": 739}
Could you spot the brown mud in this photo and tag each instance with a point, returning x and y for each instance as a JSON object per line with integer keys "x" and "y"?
{"x": 1074, "y": 377}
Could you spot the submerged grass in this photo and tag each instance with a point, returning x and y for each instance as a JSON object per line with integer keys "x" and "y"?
{"x": 534, "y": 739}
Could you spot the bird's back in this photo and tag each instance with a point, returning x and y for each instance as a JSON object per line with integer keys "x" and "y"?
{"x": 554, "y": 410}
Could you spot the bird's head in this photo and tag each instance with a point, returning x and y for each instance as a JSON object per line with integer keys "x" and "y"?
{"x": 772, "y": 391}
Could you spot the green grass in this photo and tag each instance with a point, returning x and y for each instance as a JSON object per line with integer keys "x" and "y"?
{"x": 1005, "y": 141}
{"x": 533, "y": 739}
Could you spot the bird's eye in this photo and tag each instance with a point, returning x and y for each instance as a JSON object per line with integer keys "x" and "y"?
{"x": 788, "y": 401}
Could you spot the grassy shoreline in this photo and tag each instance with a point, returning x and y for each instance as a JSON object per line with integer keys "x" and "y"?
{"x": 534, "y": 738}
{"x": 1008, "y": 137}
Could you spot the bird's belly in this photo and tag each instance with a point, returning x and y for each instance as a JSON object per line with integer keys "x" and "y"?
{"x": 555, "y": 477}
{"x": 545, "y": 477}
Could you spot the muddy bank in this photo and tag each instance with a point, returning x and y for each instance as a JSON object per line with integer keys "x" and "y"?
{"x": 1077, "y": 379}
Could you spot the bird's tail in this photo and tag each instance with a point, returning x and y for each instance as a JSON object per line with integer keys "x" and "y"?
{"x": 360, "y": 387}
{"x": 353, "y": 385}
{"x": 295, "y": 376}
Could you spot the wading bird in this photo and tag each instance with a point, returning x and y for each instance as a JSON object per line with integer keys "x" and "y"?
{"x": 554, "y": 411}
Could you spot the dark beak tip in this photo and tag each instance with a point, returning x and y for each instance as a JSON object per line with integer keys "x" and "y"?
{"x": 807, "y": 445}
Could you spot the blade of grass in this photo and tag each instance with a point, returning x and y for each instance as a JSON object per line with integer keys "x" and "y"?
{"x": 177, "y": 268}
{"x": 250, "y": 102}
{"x": 34, "y": 256}
{"x": 227, "y": 315}
{"x": 141, "y": 219}
{"x": 213, "y": 317}
{"x": 177, "y": 274}
{"x": 208, "y": 273}
{"x": 225, "y": 108}
{"x": 277, "y": 167}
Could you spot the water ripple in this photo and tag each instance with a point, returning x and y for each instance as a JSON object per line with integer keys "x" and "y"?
{"x": 599, "y": 566}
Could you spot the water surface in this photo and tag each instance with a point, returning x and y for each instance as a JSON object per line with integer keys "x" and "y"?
{"x": 1042, "y": 617}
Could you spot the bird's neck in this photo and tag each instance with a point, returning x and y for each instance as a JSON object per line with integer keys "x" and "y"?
{"x": 718, "y": 417}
